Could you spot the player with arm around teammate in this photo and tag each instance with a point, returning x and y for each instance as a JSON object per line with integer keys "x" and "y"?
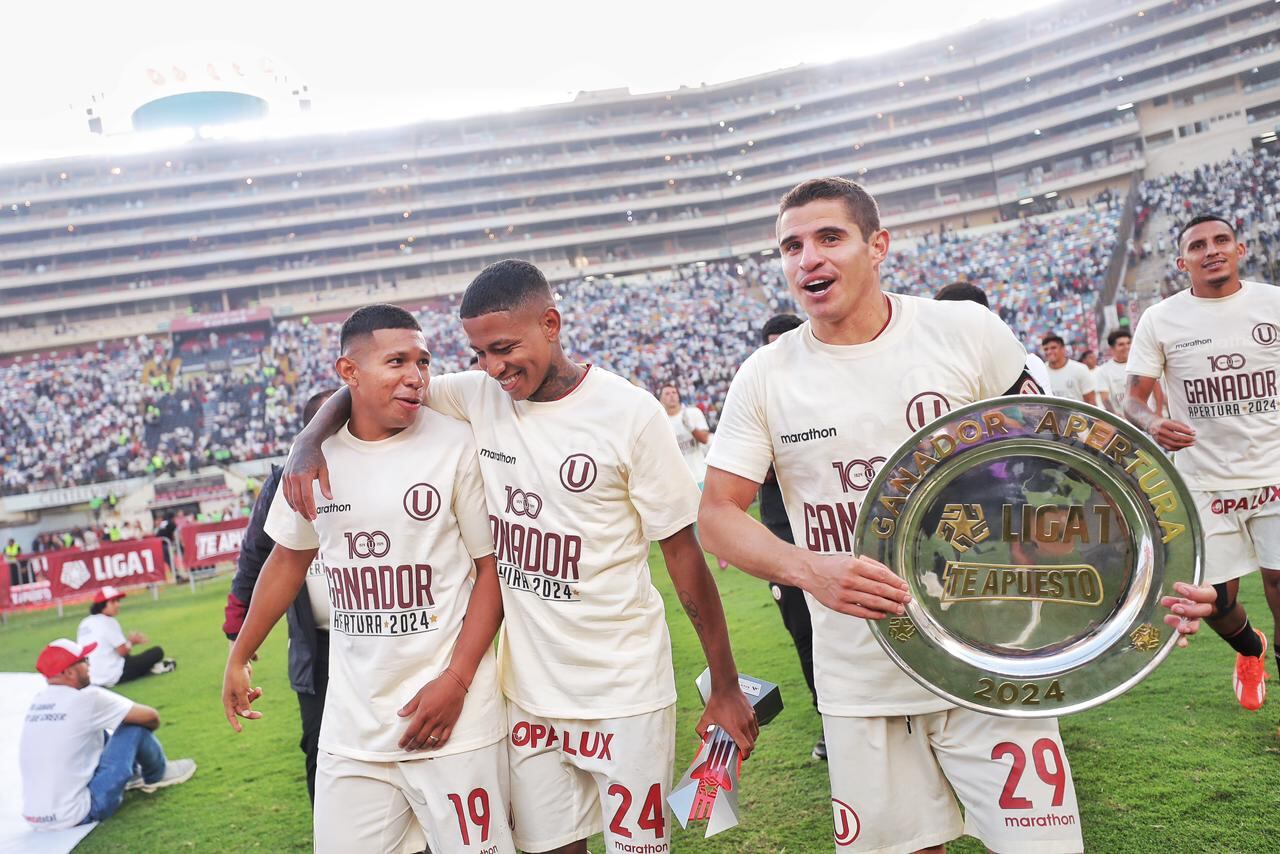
{"x": 413, "y": 721}
{"x": 581, "y": 472}
{"x": 1217, "y": 346}
{"x": 864, "y": 373}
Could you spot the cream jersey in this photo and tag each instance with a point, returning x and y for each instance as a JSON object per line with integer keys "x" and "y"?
{"x": 577, "y": 489}
{"x": 1072, "y": 380}
{"x": 397, "y": 543}
{"x": 317, "y": 587}
{"x": 826, "y": 417}
{"x": 1113, "y": 379}
{"x": 683, "y": 424}
{"x": 1219, "y": 359}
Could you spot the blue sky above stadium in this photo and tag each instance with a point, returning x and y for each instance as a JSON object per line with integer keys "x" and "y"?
{"x": 380, "y": 62}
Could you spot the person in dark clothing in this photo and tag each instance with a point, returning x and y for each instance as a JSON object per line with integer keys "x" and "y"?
{"x": 773, "y": 514}
{"x": 308, "y": 616}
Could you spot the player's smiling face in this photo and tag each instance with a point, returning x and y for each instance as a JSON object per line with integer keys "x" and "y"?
{"x": 1211, "y": 256}
{"x": 515, "y": 346}
{"x": 388, "y": 373}
{"x": 829, "y": 265}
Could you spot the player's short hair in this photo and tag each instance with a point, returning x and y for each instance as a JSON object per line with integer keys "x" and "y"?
{"x": 313, "y": 404}
{"x": 368, "y": 319}
{"x": 99, "y": 607}
{"x": 1116, "y": 334}
{"x": 860, "y": 204}
{"x": 1050, "y": 339}
{"x": 1203, "y": 218}
{"x": 504, "y": 286}
{"x": 1086, "y": 354}
{"x": 963, "y": 292}
{"x": 779, "y": 324}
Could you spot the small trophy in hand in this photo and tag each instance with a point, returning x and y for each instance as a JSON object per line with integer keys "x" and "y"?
{"x": 709, "y": 789}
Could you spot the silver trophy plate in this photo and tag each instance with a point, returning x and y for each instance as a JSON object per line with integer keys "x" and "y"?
{"x": 1037, "y": 536}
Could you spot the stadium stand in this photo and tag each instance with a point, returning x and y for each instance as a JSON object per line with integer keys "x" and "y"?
{"x": 1008, "y": 119}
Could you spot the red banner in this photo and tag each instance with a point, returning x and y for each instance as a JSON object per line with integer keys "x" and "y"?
{"x": 5, "y": 604}
{"x": 123, "y": 564}
{"x": 209, "y": 543}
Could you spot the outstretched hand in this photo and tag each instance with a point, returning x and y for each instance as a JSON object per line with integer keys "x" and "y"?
{"x": 238, "y": 696}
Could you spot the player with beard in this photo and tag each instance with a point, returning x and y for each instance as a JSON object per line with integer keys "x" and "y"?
{"x": 414, "y": 725}
{"x": 846, "y": 388}
{"x": 1217, "y": 347}
{"x": 581, "y": 472}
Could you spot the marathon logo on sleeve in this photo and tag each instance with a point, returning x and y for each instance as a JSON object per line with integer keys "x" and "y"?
{"x": 498, "y": 456}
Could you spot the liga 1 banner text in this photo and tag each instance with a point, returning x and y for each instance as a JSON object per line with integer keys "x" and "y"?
{"x": 207, "y": 543}
{"x": 123, "y": 564}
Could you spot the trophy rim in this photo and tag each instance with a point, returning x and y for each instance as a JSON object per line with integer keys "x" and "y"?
{"x": 1151, "y": 574}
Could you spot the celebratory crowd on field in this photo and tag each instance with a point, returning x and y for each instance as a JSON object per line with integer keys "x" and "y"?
{"x": 526, "y": 494}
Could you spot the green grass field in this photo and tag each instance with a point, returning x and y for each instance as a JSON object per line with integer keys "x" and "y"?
{"x": 1173, "y": 766}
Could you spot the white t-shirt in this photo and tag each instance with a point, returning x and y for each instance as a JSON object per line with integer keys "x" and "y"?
{"x": 61, "y": 743}
{"x": 577, "y": 489}
{"x": 397, "y": 543}
{"x": 1113, "y": 379}
{"x": 690, "y": 418}
{"x": 814, "y": 410}
{"x": 1072, "y": 380}
{"x": 106, "y": 666}
{"x": 1219, "y": 359}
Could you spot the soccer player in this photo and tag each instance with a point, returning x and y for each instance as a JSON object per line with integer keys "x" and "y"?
{"x": 1217, "y": 346}
{"x": 1113, "y": 373}
{"x": 1069, "y": 378}
{"x": 690, "y": 428}
{"x": 413, "y": 721}
{"x": 581, "y": 472}
{"x": 821, "y": 404}
{"x": 308, "y": 614}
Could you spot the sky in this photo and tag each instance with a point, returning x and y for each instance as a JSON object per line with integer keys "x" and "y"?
{"x": 378, "y": 62}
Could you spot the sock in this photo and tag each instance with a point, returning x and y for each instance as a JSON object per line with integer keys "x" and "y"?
{"x": 1278, "y": 662}
{"x": 1246, "y": 641}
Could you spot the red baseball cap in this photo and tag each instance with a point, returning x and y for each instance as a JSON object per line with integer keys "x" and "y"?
{"x": 106, "y": 594}
{"x": 61, "y": 654}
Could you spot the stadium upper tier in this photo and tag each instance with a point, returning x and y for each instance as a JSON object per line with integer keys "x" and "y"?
{"x": 1005, "y": 118}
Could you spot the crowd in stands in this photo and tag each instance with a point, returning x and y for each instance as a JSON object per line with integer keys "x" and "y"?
{"x": 1244, "y": 188}
{"x": 127, "y": 409}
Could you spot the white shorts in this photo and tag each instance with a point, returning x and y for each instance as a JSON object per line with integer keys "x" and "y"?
{"x": 573, "y": 778}
{"x": 458, "y": 802}
{"x": 892, "y": 783}
{"x": 1241, "y": 531}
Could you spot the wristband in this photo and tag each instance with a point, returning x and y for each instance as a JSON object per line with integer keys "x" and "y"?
{"x": 458, "y": 679}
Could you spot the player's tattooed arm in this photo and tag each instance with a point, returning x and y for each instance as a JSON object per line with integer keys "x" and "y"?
{"x": 306, "y": 463}
{"x": 727, "y": 708}
{"x": 282, "y": 578}
{"x": 435, "y": 709}
{"x": 1172, "y": 435}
